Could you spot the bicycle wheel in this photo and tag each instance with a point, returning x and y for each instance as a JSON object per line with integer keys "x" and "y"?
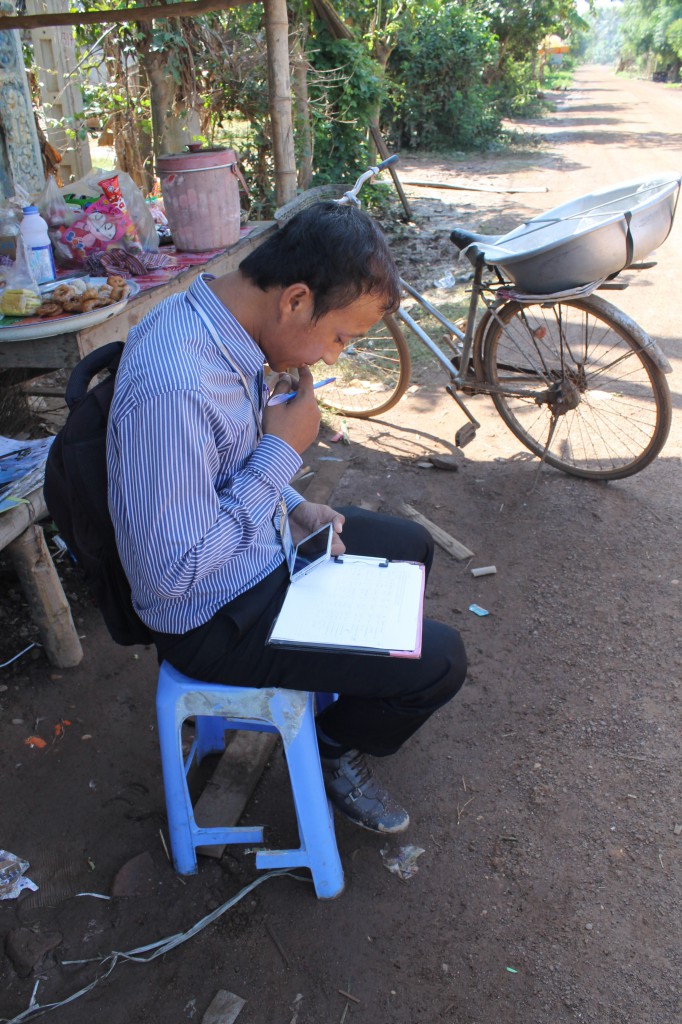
{"x": 372, "y": 374}
{"x": 574, "y": 383}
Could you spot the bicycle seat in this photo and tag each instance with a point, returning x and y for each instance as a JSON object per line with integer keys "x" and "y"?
{"x": 462, "y": 238}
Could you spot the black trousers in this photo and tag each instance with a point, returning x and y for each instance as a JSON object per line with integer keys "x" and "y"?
{"x": 382, "y": 701}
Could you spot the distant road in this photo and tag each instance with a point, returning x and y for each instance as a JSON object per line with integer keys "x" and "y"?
{"x": 609, "y": 129}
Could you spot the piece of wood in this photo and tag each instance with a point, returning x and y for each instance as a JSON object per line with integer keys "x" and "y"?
{"x": 43, "y": 590}
{"x": 179, "y": 10}
{"x": 40, "y": 354}
{"x": 384, "y": 153}
{"x": 15, "y": 520}
{"x": 279, "y": 92}
{"x": 441, "y": 537}
{"x": 475, "y": 188}
{"x": 224, "y": 1009}
{"x": 226, "y": 795}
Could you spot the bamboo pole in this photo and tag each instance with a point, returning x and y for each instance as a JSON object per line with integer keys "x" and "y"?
{"x": 185, "y": 9}
{"x": 279, "y": 79}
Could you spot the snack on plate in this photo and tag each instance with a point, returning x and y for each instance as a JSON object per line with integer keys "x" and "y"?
{"x": 19, "y": 302}
{"x": 80, "y": 296}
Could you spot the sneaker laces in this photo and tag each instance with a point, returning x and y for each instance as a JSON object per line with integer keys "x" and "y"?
{"x": 359, "y": 765}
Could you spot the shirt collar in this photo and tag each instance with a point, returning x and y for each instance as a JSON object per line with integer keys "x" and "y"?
{"x": 238, "y": 341}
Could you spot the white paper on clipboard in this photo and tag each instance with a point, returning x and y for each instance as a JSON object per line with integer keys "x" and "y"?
{"x": 355, "y": 603}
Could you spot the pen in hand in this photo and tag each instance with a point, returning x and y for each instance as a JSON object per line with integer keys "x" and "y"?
{"x": 279, "y": 399}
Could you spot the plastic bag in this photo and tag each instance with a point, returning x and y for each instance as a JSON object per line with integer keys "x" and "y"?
{"x": 21, "y": 296}
{"x": 87, "y": 190}
{"x": 52, "y": 206}
{"x": 103, "y": 224}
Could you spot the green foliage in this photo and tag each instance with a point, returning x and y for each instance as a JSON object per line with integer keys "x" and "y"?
{"x": 439, "y": 96}
{"x": 674, "y": 37}
{"x": 521, "y": 25}
{"x": 650, "y": 37}
{"x": 345, "y": 90}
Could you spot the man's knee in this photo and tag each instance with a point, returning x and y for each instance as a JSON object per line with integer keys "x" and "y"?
{"x": 374, "y": 533}
{"x": 449, "y": 649}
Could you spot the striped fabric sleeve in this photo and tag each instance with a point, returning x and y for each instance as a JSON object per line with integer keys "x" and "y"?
{"x": 183, "y": 521}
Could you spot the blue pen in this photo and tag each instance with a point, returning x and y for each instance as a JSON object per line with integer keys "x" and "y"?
{"x": 278, "y": 399}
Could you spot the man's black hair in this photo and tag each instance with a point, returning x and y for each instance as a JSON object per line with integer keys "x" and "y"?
{"x": 338, "y": 251}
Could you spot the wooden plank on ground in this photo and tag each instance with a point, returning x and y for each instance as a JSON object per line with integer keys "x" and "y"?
{"x": 226, "y": 795}
{"x": 441, "y": 537}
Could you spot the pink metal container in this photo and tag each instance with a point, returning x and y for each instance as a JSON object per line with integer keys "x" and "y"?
{"x": 201, "y": 198}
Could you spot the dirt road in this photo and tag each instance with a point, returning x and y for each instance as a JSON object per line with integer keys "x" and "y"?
{"x": 546, "y": 798}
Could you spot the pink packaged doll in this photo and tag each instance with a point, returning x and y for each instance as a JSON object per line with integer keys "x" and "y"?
{"x": 105, "y": 224}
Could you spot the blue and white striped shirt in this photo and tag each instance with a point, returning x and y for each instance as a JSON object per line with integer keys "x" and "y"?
{"x": 192, "y": 493}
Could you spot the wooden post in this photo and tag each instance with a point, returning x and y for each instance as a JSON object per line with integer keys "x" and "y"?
{"x": 384, "y": 154}
{"x": 55, "y": 56}
{"x": 279, "y": 79}
{"x": 43, "y": 591}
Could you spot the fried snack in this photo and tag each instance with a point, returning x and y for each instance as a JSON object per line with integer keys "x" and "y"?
{"x": 50, "y": 309}
{"x": 63, "y": 292}
{"x": 81, "y": 296}
{"x": 119, "y": 288}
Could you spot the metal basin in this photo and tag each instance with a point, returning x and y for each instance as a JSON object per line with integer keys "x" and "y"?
{"x": 589, "y": 238}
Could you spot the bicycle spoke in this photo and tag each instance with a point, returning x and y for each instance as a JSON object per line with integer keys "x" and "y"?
{"x": 576, "y": 364}
{"x": 371, "y": 374}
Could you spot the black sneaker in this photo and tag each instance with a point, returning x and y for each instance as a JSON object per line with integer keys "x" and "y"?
{"x": 354, "y": 792}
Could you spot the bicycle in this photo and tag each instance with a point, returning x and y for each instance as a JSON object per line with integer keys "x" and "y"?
{"x": 575, "y": 379}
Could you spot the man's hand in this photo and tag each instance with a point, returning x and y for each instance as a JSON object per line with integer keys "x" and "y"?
{"x": 308, "y": 517}
{"x": 298, "y": 420}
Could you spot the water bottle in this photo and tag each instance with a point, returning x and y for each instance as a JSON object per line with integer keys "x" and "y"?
{"x": 34, "y": 231}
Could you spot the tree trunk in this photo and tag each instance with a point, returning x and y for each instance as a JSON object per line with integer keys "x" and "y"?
{"x": 170, "y": 133}
{"x": 304, "y": 129}
{"x": 277, "y": 36}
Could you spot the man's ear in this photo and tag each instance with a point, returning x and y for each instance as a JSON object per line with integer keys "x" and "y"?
{"x": 296, "y": 300}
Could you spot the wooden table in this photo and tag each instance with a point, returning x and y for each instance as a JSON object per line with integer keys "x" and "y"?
{"x": 65, "y": 350}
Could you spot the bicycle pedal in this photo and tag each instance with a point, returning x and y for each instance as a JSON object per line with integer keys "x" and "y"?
{"x": 465, "y": 435}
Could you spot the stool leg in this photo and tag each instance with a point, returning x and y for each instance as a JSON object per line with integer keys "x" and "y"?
{"x": 318, "y": 850}
{"x": 178, "y": 805}
{"x": 210, "y": 736}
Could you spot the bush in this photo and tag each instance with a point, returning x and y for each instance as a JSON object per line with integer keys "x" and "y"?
{"x": 439, "y": 97}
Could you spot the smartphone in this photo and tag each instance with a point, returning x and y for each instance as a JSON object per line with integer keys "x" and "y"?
{"x": 312, "y": 550}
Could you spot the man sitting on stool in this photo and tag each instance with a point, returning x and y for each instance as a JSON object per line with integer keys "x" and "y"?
{"x": 199, "y": 475}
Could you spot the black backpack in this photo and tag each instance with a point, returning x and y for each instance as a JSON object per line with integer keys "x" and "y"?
{"x": 76, "y": 493}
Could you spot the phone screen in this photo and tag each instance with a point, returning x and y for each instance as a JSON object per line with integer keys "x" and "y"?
{"x": 314, "y": 548}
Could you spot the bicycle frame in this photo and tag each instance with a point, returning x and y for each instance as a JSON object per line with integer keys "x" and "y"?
{"x": 550, "y": 362}
{"x": 459, "y": 376}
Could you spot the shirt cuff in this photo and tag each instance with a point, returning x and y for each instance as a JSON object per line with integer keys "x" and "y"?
{"x": 275, "y": 460}
{"x": 292, "y": 498}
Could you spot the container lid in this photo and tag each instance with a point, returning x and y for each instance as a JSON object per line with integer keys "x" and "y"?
{"x": 205, "y": 158}
{"x": 29, "y": 209}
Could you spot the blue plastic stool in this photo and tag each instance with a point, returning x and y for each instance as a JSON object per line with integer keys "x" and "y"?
{"x": 291, "y": 713}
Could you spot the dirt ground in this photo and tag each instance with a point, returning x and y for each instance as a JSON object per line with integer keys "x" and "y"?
{"x": 546, "y": 797}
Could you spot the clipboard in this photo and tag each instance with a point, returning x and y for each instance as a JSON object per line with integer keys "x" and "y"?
{"x": 355, "y": 604}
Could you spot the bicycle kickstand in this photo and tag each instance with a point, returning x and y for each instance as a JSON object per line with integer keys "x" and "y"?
{"x": 467, "y": 433}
